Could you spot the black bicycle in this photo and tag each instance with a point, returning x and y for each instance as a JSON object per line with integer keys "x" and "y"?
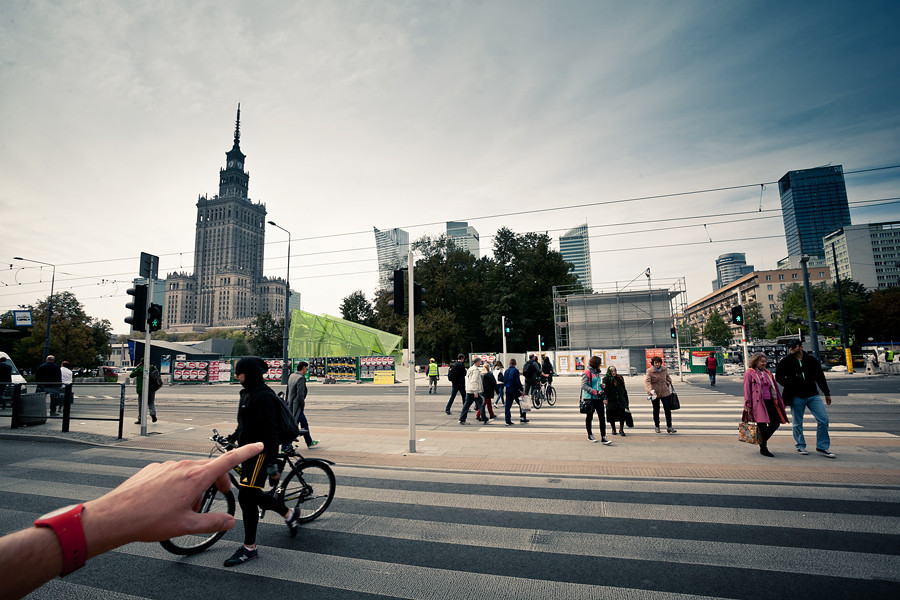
{"x": 307, "y": 487}
{"x": 549, "y": 391}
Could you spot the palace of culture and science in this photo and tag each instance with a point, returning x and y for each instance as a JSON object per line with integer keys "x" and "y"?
{"x": 227, "y": 287}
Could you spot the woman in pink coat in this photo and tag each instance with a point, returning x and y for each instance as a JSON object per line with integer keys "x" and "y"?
{"x": 762, "y": 400}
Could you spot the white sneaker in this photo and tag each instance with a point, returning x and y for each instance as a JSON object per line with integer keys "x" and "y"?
{"x": 592, "y": 439}
{"x": 826, "y": 453}
{"x": 802, "y": 451}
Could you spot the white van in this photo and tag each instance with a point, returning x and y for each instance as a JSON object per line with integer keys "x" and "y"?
{"x": 16, "y": 376}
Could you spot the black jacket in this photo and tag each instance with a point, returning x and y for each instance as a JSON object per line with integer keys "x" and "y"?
{"x": 5, "y": 372}
{"x": 489, "y": 384}
{"x": 258, "y": 417}
{"x": 48, "y": 372}
{"x": 800, "y": 380}
{"x": 457, "y": 373}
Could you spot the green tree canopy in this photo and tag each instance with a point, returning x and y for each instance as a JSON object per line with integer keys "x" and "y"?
{"x": 754, "y": 319}
{"x": 358, "y": 309}
{"x": 265, "y": 335}
{"x": 717, "y": 331}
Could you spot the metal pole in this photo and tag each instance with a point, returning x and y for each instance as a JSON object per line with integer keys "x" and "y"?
{"x": 845, "y": 337}
{"x": 503, "y": 330}
{"x": 412, "y": 357}
{"x": 678, "y": 349}
{"x": 743, "y": 335}
{"x": 285, "y": 360}
{"x": 145, "y": 373}
{"x": 810, "y": 313}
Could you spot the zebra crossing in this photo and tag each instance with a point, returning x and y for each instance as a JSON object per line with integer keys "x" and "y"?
{"x": 431, "y": 534}
{"x": 704, "y": 412}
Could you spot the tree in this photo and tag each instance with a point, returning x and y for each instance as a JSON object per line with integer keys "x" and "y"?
{"x": 266, "y": 335}
{"x": 358, "y": 309}
{"x": 717, "y": 331}
{"x": 74, "y": 336}
{"x": 776, "y": 327}
{"x": 882, "y": 316}
{"x": 689, "y": 336}
{"x": 827, "y": 308}
{"x": 754, "y": 319}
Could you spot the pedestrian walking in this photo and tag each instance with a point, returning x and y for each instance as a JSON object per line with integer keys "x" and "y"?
{"x": 296, "y": 400}
{"x": 659, "y": 389}
{"x": 489, "y": 386}
{"x": 474, "y": 393}
{"x": 800, "y": 374}
{"x": 501, "y": 387}
{"x": 762, "y": 401}
{"x": 138, "y": 375}
{"x": 257, "y": 421}
{"x": 48, "y": 376}
{"x": 616, "y": 400}
{"x": 591, "y": 386}
{"x": 432, "y": 376}
{"x": 457, "y": 377}
{"x": 514, "y": 392}
{"x": 712, "y": 363}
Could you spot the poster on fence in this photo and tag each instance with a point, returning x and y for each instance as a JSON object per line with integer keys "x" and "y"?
{"x": 190, "y": 371}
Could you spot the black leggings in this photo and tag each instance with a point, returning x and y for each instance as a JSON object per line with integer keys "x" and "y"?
{"x": 767, "y": 429}
{"x": 598, "y": 407}
{"x": 666, "y": 408}
{"x": 251, "y": 498}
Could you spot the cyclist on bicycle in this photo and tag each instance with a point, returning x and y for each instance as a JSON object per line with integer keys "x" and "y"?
{"x": 531, "y": 371}
{"x": 547, "y": 370}
{"x": 257, "y": 421}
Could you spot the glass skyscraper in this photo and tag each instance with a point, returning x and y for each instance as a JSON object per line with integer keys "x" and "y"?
{"x": 464, "y": 237}
{"x": 392, "y": 246}
{"x": 730, "y": 267}
{"x": 576, "y": 249}
{"x": 813, "y": 204}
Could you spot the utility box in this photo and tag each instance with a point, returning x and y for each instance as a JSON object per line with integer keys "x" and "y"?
{"x": 31, "y": 409}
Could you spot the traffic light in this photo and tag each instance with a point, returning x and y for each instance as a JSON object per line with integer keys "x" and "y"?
{"x": 737, "y": 315}
{"x": 673, "y": 333}
{"x": 397, "y": 302}
{"x": 154, "y": 317}
{"x": 418, "y": 299}
{"x": 508, "y": 325}
{"x": 138, "y": 306}
{"x": 543, "y": 343}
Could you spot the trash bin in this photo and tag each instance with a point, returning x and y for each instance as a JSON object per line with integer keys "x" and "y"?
{"x": 31, "y": 409}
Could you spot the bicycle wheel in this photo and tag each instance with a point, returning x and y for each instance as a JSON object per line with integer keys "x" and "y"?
{"x": 551, "y": 395}
{"x": 536, "y": 399}
{"x": 308, "y": 488}
{"x": 213, "y": 501}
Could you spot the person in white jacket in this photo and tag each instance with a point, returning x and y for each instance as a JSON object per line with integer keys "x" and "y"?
{"x": 474, "y": 392}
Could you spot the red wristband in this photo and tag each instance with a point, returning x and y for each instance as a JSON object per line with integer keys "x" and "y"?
{"x": 66, "y": 524}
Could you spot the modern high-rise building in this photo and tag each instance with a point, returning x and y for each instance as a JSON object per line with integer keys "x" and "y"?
{"x": 813, "y": 204}
{"x": 392, "y": 246}
{"x": 464, "y": 237}
{"x": 869, "y": 254}
{"x": 729, "y": 267}
{"x": 227, "y": 287}
{"x": 575, "y": 248}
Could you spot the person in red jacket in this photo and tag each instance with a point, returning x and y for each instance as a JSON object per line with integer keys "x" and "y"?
{"x": 712, "y": 363}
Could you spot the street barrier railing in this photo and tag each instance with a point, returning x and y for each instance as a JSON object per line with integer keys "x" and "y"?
{"x": 31, "y": 408}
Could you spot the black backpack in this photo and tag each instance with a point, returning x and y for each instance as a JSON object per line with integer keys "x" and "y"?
{"x": 288, "y": 430}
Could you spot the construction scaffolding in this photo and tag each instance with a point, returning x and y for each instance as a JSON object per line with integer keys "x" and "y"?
{"x": 635, "y": 315}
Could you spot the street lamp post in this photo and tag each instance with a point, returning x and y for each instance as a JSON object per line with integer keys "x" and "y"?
{"x": 285, "y": 367}
{"x": 49, "y": 301}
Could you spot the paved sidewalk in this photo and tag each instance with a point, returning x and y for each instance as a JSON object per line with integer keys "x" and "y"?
{"x": 530, "y": 449}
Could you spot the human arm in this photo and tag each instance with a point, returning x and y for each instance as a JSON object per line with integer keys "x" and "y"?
{"x": 156, "y": 503}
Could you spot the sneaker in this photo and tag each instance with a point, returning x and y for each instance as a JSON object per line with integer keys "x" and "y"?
{"x": 622, "y": 433}
{"x": 657, "y": 429}
{"x": 153, "y": 418}
{"x": 137, "y": 422}
{"x": 802, "y": 451}
{"x": 765, "y": 452}
{"x": 671, "y": 430}
{"x": 592, "y": 438}
{"x": 462, "y": 422}
{"x": 524, "y": 420}
{"x": 313, "y": 444}
{"x": 605, "y": 441}
{"x": 242, "y": 555}
{"x": 826, "y": 453}
{"x": 448, "y": 412}
{"x": 293, "y": 523}
{"x": 508, "y": 423}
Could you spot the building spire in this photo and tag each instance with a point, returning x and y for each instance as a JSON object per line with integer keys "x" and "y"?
{"x": 237, "y": 126}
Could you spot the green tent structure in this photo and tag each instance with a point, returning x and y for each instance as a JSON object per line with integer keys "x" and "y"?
{"x": 324, "y": 335}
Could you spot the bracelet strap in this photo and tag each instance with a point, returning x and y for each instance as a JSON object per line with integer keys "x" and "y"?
{"x": 66, "y": 524}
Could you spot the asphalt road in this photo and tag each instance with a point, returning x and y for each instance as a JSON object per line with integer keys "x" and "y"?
{"x": 429, "y": 534}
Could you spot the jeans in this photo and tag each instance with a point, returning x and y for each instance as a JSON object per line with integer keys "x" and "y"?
{"x": 500, "y": 390}
{"x": 712, "y": 378}
{"x": 479, "y": 405}
{"x": 817, "y": 408}
{"x": 304, "y": 424}
{"x": 508, "y": 402}
{"x": 457, "y": 387}
{"x": 151, "y": 404}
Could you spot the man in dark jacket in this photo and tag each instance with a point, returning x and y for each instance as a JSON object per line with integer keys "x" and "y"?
{"x": 513, "y": 385}
{"x": 531, "y": 371}
{"x": 257, "y": 418}
{"x": 457, "y": 377}
{"x": 799, "y": 374}
{"x": 5, "y": 377}
{"x": 48, "y": 376}
{"x": 296, "y": 400}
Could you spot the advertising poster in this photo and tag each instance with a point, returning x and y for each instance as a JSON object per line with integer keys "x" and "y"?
{"x": 190, "y": 371}
{"x": 487, "y": 357}
{"x": 698, "y": 357}
{"x": 371, "y": 366}
{"x": 618, "y": 358}
{"x": 275, "y": 371}
{"x": 165, "y": 364}
{"x": 220, "y": 371}
{"x": 563, "y": 364}
{"x": 580, "y": 361}
{"x": 602, "y": 355}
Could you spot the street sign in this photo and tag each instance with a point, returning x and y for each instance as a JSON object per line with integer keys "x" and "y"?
{"x": 149, "y": 266}
{"x": 22, "y": 318}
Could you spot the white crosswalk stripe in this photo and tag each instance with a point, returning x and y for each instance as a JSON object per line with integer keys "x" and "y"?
{"x": 441, "y": 535}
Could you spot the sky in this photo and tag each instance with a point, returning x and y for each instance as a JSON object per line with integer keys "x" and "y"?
{"x": 536, "y": 116}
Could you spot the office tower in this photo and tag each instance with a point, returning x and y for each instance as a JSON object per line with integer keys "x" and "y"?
{"x": 575, "y": 248}
{"x": 227, "y": 287}
{"x": 813, "y": 204}
{"x": 392, "y": 246}
{"x": 464, "y": 237}
{"x": 729, "y": 267}
{"x": 869, "y": 254}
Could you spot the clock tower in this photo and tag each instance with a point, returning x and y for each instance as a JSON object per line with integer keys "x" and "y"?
{"x": 233, "y": 180}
